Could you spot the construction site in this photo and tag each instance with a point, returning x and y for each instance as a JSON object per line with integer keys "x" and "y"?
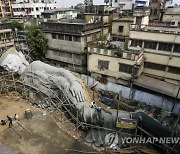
{"x": 59, "y": 113}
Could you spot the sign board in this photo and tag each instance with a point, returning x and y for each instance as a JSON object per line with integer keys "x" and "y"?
{"x": 126, "y": 123}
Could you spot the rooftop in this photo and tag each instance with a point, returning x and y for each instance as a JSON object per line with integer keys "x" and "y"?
{"x": 125, "y": 19}
{"x": 174, "y": 10}
{"x": 70, "y": 26}
{"x": 157, "y": 27}
{"x": 58, "y": 10}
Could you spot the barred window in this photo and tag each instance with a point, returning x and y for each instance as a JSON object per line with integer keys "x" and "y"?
{"x": 165, "y": 46}
{"x": 155, "y": 66}
{"x": 136, "y": 43}
{"x": 174, "y": 70}
{"x": 102, "y": 64}
{"x": 177, "y": 48}
{"x": 54, "y": 36}
{"x": 150, "y": 45}
{"x": 125, "y": 68}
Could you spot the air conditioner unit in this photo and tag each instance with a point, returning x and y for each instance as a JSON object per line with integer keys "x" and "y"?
{"x": 174, "y": 23}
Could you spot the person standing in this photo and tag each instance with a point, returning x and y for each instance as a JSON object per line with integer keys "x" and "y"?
{"x": 10, "y": 121}
{"x": 16, "y": 117}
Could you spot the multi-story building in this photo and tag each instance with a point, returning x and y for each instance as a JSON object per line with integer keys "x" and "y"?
{"x": 58, "y": 13}
{"x": 5, "y": 8}
{"x": 106, "y": 63}
{"x": 172, "y": 16}
{"x": 94, "y": 13}
{"x": 128, "y": 4}
{"x": 68, "y": 42}
{"x": 32, "y": 8}
{"x": 122, "y": 4}
{"x": 156, "y": 8}
{"x": 162, "y": 50}
{"x": 6, "y": 37}
{"x": 120, "y": 30}
{"x": 161, "y": 45}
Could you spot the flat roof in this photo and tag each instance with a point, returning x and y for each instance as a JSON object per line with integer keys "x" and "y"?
{"x": 157, "y": 85}
{"x": 127, "y": 19}
{"x": 174, "y": 10}
{"x": 58, "y": 10}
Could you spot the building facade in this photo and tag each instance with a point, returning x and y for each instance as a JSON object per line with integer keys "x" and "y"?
{"x": 156, "y": 8}
{"x": 161, "y": 49}
{"x": 5, "y": 8}
{"x": 122, "y": 4}
{"x": 107, "y": 65}
{"x": 6, "y": 37}
{"x": 56, "y": 14}
{"x": 172, "y": 15}
{"x": 68, "y": 43}
{"x": 32, "y": 8}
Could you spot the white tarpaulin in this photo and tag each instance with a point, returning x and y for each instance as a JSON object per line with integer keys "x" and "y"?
{"x": 14, "y": 61}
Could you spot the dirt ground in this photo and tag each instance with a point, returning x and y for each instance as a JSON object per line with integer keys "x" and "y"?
{"x": 45, "y": 133}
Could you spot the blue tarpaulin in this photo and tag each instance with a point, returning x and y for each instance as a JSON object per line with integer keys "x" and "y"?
{"x": 106, "y": 100}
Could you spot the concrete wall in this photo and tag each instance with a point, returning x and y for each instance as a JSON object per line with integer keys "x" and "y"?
{"x": 155, "y": 36}
{"x": 155, "y": 56}
{"x": 171, "y": 17}
{"x": 115, "y": 28}
{"x": 71, "y": 58}
{"x": 113, "y": 74}
{"x": 6, "y": 41}
{"x": 127, "y": 4}
{"x": 66, "y": 45}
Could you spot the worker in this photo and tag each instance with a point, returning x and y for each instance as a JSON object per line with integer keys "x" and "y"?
{"x": 16, "y": 117}
{"x": 3, "y": 122}
{"x": 99, "y": 109}
{"x": 92, "y": 105}
{"x": 10, "y": 121}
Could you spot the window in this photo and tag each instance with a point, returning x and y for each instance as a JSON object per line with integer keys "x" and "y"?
{"x": 121, "y": 28}
{"x": 155, "y": 12}
{"x": 37, "y": 9}
{"x": 126, "y": 68}
{"x": 102, "y": 64}
{"x": 60, "y": 36}
{"x": 150, "y": 45}
{"x": 68, "y": 37}
{"x": 55, "y": 53}
{"x": 177, "y": 48}
{"x": 136, "y": 43}
{"x": 174, "y": 70}
{"x": 154, "y": 66}
{"x": 54, "y": 36}
{"x": 116, "y": 1}
{"x": 165, "y": 46}
{"x": 77, "y": 38}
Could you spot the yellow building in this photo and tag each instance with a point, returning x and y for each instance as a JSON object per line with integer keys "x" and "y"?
{"x": 5, "y": 8}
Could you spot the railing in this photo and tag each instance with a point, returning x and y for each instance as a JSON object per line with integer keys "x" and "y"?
{"x": 154, "y": 27}
{"x": 68, "y": 27}
{"x": 93, "y": 26}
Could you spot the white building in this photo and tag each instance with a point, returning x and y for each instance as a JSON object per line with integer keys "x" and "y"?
{"x": 32, "y": 8}
{"x": 128, "y": 4}
{"x": 62, "y": 13}
{"x": 123, "y": 4}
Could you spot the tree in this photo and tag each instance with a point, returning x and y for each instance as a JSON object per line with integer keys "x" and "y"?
{"x": 36, "y": 41}
{"x": 16, "y": 25}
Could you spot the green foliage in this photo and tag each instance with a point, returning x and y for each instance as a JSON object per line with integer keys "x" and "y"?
{"x": 16, "y": 24}
{"x": 36, "y": 41}
{"x": 3, "y": 19}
